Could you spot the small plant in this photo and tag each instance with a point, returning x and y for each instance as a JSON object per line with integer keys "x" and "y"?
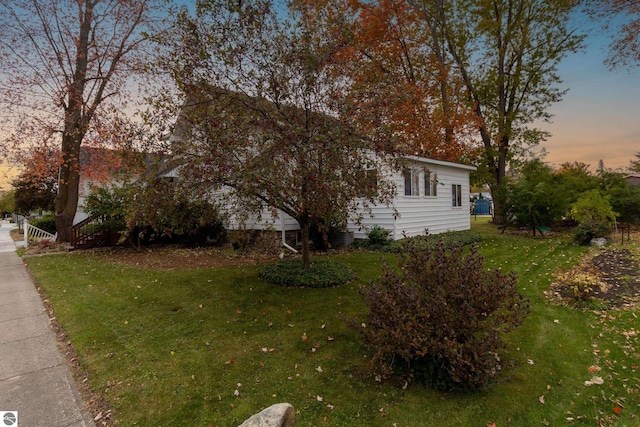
{"x": 580, "y": 285}
{"x": 323, "y": 273}
{"x": 378, "y": 236}
{"x": 440, "y": 316}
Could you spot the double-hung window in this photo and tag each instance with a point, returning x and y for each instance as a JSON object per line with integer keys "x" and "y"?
{"x": 456, "y": 195}
{"x": 411, "y": 182}
{"x": 430, "y": 183}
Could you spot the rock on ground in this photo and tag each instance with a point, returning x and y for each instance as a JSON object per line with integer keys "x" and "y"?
{"x": 278, "y": 415}
{"x": 599, "y": 241}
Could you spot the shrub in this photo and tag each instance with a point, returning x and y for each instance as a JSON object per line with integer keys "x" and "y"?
{"x": 323, "y": 273}
{"x": 439, "y": 317}
{"x": 580, "y": 285}
{"x": 586, "y": 231}
{"x": 594, "y": 215}
{"x": 46, "y": 223}
{"x": 378, "y": 236}
{"x": 465, "y": 237}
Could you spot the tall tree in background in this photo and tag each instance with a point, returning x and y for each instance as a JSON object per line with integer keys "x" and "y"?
{"x": 625, "y": 47}
{"x": 507, "y": 53}
{"x": 262, "y": 116}
{"x": 64, "y": 63}
{"x": 400, "y": 83}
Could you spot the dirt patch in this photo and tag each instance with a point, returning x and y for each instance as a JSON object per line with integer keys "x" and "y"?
{"x": 611, "y": 275}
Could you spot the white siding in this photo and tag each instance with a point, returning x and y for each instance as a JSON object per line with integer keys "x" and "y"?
{"x": 417, "y": 213}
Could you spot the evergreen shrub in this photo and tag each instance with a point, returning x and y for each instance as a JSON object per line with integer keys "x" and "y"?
{"x": 323, "y": 273}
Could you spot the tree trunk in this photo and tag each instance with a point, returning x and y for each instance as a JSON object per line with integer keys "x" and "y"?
{"x": 66, "y": 202}
{"x": 304, "y": 225}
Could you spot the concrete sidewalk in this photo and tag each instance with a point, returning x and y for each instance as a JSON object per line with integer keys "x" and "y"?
{"x": 35, "y": 380}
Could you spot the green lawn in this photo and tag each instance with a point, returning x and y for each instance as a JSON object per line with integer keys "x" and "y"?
{"x": 213, "y": 346}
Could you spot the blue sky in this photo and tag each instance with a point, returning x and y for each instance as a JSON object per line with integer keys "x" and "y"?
{"x": 599, "y": 117}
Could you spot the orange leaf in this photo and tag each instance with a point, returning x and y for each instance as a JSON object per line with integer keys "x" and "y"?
{"x": 491, "y": 424}
{"x": 617, "y": 409}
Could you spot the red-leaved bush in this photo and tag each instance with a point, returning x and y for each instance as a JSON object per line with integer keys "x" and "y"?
{"x": 440, "y": 316}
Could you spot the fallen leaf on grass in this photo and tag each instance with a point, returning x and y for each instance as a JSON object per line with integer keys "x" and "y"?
{"x": 594, "y": 380}
{"x": 491, "y": 424}
{"x": 594, "y": 368}
{"x": 319, "y": 398}
{"x": 617, "y": 410}
{"x": 319, "y": 368}
{"x": 541, "y": 399}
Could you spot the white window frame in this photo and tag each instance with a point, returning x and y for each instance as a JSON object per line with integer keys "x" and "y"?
{"x": 413, "y": 176}
{"x": 456, "y": 195}
{"x": 430, "y": 183}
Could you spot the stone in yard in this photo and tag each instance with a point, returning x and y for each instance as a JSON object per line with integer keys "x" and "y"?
{"x": 598, "y": 241}
{"x": 278, "y": 415}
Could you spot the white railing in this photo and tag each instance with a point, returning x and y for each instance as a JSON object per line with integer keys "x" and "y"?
{"x": 35, "y": 234}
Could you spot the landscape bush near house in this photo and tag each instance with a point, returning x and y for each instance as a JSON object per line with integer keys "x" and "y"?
{"x": 46, "y": 223}
{"x": 154, "y": 211}
{"x": 440, "y": 316}
{"x": 322, "y": 273}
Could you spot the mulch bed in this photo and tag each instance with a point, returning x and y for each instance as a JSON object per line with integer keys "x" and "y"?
{"x": 618, "y": 270}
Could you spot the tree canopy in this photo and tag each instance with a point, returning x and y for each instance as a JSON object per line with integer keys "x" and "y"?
{"x": 625, "y": 45}
{"x": 261, "y": 115}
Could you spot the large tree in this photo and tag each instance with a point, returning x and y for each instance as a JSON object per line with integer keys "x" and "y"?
{"x": 64, "y": 63}
{"x": 507, "y": 53}
{"x": 261, "y": 115}
{"x": 400, "y": 81}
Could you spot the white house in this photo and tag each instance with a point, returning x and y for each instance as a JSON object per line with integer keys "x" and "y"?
{"x": 430, "y": 195}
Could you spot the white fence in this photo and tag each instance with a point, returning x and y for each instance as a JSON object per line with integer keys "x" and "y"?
{"x": 32, "y": 233}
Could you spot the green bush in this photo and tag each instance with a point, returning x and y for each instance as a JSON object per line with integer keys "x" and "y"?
{"x": 590, "y": 229}
{"x": 594, "y": 215}
{"x": 323, "y": 273}
{"x": 465, "y": 237}
{"x": 378, "y": 236}
{"x": 440, "y": 316}
{"x": 46, "y": 223}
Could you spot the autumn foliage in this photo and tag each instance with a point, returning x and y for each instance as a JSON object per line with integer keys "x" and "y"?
{"x": 440, "y": 316}
{"x": 401, "y": 89}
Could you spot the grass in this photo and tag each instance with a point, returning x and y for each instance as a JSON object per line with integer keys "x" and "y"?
{"x": 213, "y": 346}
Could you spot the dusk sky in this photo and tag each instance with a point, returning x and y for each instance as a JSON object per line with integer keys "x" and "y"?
{"x": 599, "y": 117}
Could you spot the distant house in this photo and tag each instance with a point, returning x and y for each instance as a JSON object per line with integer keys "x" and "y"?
{"x": 633, "y": 178}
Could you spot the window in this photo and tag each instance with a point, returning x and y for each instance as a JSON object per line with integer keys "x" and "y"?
{"x": 456, "y": 195}
{"x": 430, "y": 183}
{"x": 411, "y": 182}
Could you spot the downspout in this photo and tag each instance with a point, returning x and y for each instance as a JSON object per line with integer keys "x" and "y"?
{"x": 284, "y": 235}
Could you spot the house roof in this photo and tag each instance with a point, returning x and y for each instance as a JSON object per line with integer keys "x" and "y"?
{"x": 633, "y": 175}
{"x": 441, "y": 162}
